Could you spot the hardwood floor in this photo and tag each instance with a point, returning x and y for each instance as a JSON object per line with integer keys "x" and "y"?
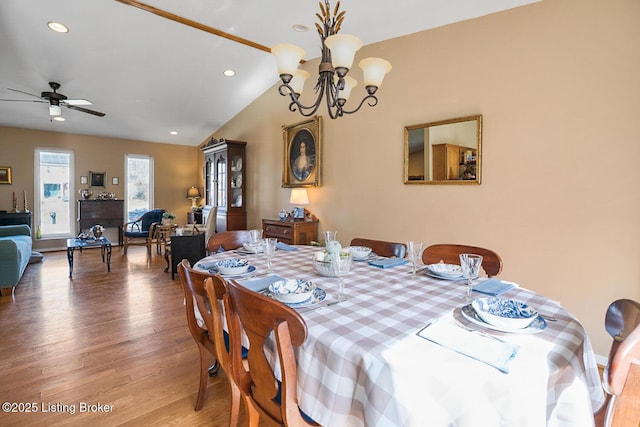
{"x": 118, "y": 339}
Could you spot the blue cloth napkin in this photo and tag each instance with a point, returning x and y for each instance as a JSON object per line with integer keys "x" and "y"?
{"x": 493, "y": 287}
{"x": 478, "y": 346}
{"x": 259, "y": 285}
{"x": 285, "y": 247}
{"x": 387, "y": 262}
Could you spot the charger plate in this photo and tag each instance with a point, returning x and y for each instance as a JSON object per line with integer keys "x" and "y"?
{"x": 466, "y": 314}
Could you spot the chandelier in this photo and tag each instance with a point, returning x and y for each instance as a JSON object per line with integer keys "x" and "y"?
{"x": 338, "y": 51}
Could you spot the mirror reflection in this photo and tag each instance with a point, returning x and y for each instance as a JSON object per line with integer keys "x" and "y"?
{"x": 443, "y": 152}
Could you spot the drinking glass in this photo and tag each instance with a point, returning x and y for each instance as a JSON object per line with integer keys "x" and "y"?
{"x": 470, "y": 265}
{"x": 414, "y": 252}
{"x": 341, "y": 266}
{"x": 255, "y": 236}
{"x": 270, "y": 250}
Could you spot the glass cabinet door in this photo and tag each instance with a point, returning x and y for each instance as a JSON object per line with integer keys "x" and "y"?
{"x": 236, "y": 182}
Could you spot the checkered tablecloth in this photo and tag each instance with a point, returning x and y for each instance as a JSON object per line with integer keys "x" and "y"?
{"x": 363, "y": 364}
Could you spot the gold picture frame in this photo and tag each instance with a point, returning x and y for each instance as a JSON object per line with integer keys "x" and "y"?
{"x": 302, "y": 153}
{"x": 5, "y": 174}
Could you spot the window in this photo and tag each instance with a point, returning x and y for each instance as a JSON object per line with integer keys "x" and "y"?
{"x": 138, "y": 185}
{"x": 53, "y": 210}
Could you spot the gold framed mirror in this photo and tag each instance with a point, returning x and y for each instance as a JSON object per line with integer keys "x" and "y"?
{"x": 444, "y": 152}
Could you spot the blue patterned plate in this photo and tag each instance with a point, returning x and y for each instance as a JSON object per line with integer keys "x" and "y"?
{"x": 468, "y": 313}
{"x": 247, "y": 273}
{"x": 318, "y": 296}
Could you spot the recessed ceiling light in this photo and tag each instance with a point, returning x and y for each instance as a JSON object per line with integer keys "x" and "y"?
{"x": 57, "y": 27}
{"x": 59, "y": 119}
{"x": 229, "y": 73}
{"x": 300, "y": 28}
{"x": 174, "y": 132}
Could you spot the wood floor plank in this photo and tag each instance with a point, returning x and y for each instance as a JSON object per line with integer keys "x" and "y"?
{"x": 117, "y": 339}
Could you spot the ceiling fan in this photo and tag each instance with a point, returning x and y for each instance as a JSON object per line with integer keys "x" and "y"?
{"x": 57, "y": 100}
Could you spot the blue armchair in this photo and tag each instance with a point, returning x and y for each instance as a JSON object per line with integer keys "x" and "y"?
{"x": 142, "y": 231}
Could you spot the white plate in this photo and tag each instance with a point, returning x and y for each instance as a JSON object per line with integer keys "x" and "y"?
{"x": 467, "y": 312}
{"x": 318, "y": 296}
{"x": 445, "y": 270}
{"x": 247, "y": 273}
{"x": 369, "y": 257}
{"x": 435, "y": 276}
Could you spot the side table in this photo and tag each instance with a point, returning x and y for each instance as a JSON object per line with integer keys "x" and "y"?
{"x": 103, "y": 243}
{"x": 291, "y": 231}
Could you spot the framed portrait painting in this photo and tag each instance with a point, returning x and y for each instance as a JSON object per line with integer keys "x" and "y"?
{"x": 302, "y": 153}
{"x": 97, "y": 178}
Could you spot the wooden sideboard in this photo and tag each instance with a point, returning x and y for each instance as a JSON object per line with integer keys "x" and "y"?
{"x": 108, "y": 213}
{"x": 291, "y": 231}
{"x": 15, "y": 218}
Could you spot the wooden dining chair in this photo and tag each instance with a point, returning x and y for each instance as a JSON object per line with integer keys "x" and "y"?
{"x": 227, "y": 240}
{"x": 449, "y": 253}
{"x": 621, "y": 376}
{"x": 382, "y": 248}
{"x": 259, "y": 317}
{"x": 203, "y": 289}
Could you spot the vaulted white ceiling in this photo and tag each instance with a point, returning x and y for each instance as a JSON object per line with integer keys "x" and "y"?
{"x": 151, "y": 75}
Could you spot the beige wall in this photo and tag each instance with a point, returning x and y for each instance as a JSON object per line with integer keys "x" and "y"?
{"x": 174, "y": 165}
{"x": 557, "y": 84}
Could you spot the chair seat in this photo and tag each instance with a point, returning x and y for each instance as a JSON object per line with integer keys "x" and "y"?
{"x": 136, "y": 234}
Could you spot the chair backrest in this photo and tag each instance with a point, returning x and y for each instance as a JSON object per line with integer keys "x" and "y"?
{"x": 194, "y": 292}
{"x": 150, "y": 217}
{"x": 259, "y": 317}
{"x": 228, "y": 240}
{"x": 449, "y": 253}
{"x": 621, "y": 377}
{"x": 382, "y": 248}
{"x": 210, "y": 223}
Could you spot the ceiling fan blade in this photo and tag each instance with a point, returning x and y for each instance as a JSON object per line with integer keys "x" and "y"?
{"x": 77, "y": 102}
{"x": 85, "y": 110}
{"x": 24, "y": 100}
{"x": 26, "y": 93}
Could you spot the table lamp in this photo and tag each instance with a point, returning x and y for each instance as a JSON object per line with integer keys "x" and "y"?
{"x": 298, "y": 198}
{"x": 193, "y": 193}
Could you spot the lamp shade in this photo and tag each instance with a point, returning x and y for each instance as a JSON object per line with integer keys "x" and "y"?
{"x": 343, "y": 49}
{"x": 374, "y": 70}
{"x": 55, "y": 110}
{"x": 299, "y": 197}
{"x": 297, "y": 82}
{"x": 349, "y": 84}
{"x": 193, "y": 192}
{"x": 288, "y": 57}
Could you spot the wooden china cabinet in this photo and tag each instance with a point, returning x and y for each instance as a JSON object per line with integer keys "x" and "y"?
{"x": 225, "y": 182}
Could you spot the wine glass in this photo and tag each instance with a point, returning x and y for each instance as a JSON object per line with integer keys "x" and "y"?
{"x": 270, "y": 250}
{"x": 341, "y": 266}
{"x": 414, "y": 253}
{"x": 470, "y": 265}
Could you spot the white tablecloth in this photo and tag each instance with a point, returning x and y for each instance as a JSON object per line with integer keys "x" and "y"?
{"x": 363, "y": 364}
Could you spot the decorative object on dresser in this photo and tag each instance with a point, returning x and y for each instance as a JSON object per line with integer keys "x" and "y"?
{"x": 338, "y": 51}
{"x": 108, "y": 213}
{"x": 225, "y": 178}
{"x": 193, "y": 193}
{"x": 298, "y": 198}
{"x": 291, "y": 232}
{"x": 302, "y": 153}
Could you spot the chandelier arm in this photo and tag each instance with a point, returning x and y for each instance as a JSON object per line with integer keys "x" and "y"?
{"x": 373, "y": 101}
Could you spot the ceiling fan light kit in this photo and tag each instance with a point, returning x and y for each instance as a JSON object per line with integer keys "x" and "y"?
{"x": 338, "y": 52}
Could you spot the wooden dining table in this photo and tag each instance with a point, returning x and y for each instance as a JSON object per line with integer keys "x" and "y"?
{"x": 364, "y": 364}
